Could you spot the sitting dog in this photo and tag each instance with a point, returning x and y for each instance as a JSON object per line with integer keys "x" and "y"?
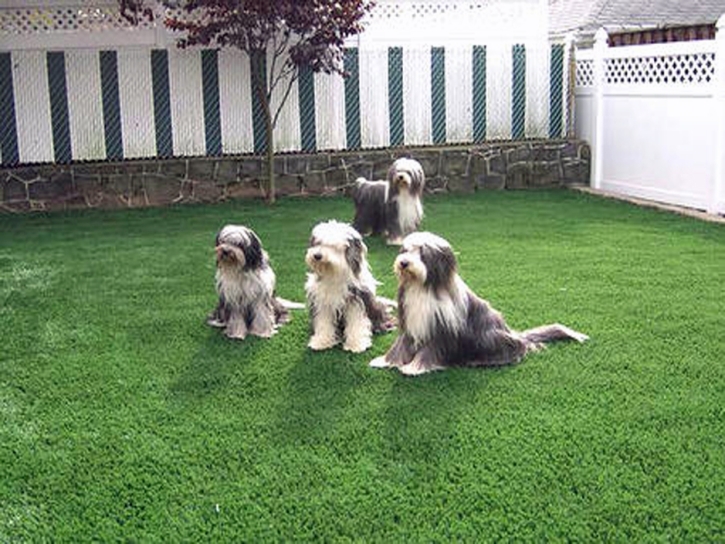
{"x": 443, "y": 323}
{"x": 245, "y": 283}
{"x": 340, "y": 287}
{"x": 393, "y": 208}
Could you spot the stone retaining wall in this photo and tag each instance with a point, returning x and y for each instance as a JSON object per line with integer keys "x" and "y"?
{"x": 160, "y": 182}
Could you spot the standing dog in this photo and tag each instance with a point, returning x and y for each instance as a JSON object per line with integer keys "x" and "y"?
{"x": 245, "y": 283}
{"x": 340, "y": 290}
{"x": 443, "y": 323}
{"x": 394, "y": 207}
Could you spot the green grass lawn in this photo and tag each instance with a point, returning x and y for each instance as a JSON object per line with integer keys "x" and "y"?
{"x": 123, "y": 417}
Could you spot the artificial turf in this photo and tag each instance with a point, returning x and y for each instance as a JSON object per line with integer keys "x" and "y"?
{"x": 123, "y": 417}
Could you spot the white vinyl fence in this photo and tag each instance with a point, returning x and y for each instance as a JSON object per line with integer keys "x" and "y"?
{"x": 76, "y": 83}
{"x": 655, "y": 116}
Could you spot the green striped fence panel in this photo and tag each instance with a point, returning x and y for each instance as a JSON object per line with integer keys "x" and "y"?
{"x": 352, "y": 98}
{"x": 111, "y": 105}
{"x": 162, "y": 102}
{"x": 518, "y": 90}
{"x": 306, "y": 90}
{"x": 9, "y": 132}
{"x": 438, "y": 94}
{"x": 60, "y": 121}
{"x": 395, "y": 95}
{"x": 479, "y": 93}
{"x": 210, "y": 93}
{"x": 556, "y": 91}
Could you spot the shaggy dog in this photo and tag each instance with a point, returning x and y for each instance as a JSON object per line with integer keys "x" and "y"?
{"x": 393, "y": 208}
{"x": 245, "y": 284}
{"x": 443, "y": 323}
{"x": 340, "y": 290}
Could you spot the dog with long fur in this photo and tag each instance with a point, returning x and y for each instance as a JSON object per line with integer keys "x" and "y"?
{"x": 341, "y": 290}
{"x": 245, "y": 283}
{"x": 393, "y": 207}
{"x": 442, "y": 323}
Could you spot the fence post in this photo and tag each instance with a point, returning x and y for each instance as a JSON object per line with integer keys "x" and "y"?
{"x": 599, "y": 67}
{"x": 717, "y": 198}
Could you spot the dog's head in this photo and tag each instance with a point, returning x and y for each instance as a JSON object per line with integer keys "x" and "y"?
{"x": 336, "y": 248}
{"x": 406, "y": 175}
{"x": 425, "y": 259}
{"x": 238, "y": 247}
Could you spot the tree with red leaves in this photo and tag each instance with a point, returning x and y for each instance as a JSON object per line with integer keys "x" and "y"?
{"x": 279, "y": 36}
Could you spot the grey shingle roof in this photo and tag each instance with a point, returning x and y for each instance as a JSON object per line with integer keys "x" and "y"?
{"x": 589, "y": 15}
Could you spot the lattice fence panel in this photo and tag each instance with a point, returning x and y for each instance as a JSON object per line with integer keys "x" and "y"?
{"x": 692, "y": 68}
{"x": 77, "y": 18}
{"x": 584, "y": 73}
{"x": 392, "y": 10}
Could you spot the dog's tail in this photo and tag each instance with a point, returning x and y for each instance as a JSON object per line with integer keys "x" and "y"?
{"x": 289, "y": 305}
{"x": 551, "y": 333}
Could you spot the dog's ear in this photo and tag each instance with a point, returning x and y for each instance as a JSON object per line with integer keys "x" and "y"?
{"x": 417, "y": 177}
{"x": 391, "y": 173}
{"x": 217, "y": 239}
{"x": 440, "y": 264}
{"x": 354, "y": 254}
{"x": 253, "y": 252}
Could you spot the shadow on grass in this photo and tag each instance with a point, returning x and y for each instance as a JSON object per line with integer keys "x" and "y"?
{"x": 215, "y": 367}
{"x": 335, "y": 401}
{"x": 319, "y": 395}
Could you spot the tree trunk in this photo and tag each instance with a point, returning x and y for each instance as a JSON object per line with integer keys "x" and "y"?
{"x": 261, "y": 88}
{"x": 269, "y": 131}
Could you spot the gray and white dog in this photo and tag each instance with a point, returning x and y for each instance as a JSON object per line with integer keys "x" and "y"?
{"x": 442, "y": 323}
{"x": 393, "y": 207}
{"x": 245, "y": 283}
{"x": 341, "y": 290}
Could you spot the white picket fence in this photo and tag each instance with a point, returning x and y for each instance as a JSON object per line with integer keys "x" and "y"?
{"x": 655, "y": 116}
{"x": 77, "y": 83}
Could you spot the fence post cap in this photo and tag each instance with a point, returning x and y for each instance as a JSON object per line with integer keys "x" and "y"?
{"x": 601, "y": 35}
{"x": 720, "y": 22}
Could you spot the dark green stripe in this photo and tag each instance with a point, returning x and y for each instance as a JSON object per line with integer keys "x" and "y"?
{"x": 438, "y": 93}
{"x": 111, "y": 105}
{"x": 518, "y": 105}
{"x": 259, "y": 68}
{"x": 479, "y": 93}
{"x": 352, "y": 98}
{"x": 162, "y": 102}
{"x": 395, "y": 95}
{"x": 59, "y": 119}
{"x": 306, "y": 87}
{"x": 210, "y": 88}
{"x": 556, "y": 91}
{"x": 9, "y": 131}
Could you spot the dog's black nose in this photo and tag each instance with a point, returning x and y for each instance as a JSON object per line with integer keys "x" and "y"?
{"x": 404, "y": 264}
{"x": 317, "y": 256}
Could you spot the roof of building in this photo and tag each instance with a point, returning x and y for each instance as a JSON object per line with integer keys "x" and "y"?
{"x": 587, "y": 16}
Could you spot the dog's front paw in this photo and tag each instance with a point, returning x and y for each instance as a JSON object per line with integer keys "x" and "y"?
{"x": 264, "y": 333}
{"x": 321, "y": 342}
{"x": 235, "y": 334}
{"x": 236, "y": 329}
{"x": 215, "y": 322}
{"x": 379, "y": 362}
{"x": 397, "y": 241}
{"x": 418, "y": 367}
{"x": 357, "y": 346}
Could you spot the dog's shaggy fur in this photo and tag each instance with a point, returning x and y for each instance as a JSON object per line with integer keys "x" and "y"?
{"x": 340, "y": 287}
{"x": 442, "y": 323}
{"x": 245, "y": 283}
{"x": 393, "y": 207}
